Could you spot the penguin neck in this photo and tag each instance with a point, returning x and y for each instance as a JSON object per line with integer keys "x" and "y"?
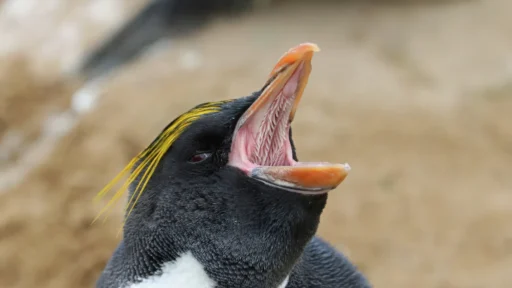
{"x": 263, "y": 241}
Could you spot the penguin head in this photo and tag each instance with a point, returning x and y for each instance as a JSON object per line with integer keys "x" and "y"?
{"x": 227, "y": 172}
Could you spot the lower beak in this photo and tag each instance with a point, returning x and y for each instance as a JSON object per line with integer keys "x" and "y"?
{"x": 279, "y": 101}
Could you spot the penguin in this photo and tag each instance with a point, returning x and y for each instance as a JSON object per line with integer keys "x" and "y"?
{"x": 220, "y": 199}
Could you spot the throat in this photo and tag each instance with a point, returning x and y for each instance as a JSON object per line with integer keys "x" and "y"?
{"x": 255, "y": 245}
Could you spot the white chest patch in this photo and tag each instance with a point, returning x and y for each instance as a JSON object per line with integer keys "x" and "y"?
{"x": 285, "y": 282}
{"x": 186, "y": 271}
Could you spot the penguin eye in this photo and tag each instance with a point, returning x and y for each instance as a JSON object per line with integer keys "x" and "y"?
{"x": 200, "y": 157}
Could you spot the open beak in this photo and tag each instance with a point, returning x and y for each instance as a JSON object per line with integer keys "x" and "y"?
{"x": 261, "y": 145}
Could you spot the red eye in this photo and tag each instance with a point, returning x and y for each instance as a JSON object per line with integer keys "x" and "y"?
{"x": 199, "y": 157}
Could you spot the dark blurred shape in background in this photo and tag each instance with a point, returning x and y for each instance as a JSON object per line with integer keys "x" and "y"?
{"x": 158, "y": 19}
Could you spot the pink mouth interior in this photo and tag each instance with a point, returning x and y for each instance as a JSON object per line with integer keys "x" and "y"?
{"x": 263, "y": 139}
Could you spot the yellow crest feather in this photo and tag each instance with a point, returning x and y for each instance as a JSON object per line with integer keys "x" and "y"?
{"x": 151, "y": 156}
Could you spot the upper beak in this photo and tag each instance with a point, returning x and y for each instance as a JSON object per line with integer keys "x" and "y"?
{"x": 298, "y": 57}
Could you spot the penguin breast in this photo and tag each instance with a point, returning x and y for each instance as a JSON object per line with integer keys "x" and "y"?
{"x": 185, "y": 271}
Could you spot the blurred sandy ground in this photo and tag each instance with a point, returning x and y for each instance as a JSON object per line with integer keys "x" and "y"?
{"x": 417, "y": 98}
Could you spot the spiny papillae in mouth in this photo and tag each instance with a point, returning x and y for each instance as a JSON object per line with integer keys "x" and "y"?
{"x": 272, "y": 139}
{"x": 272, "y": 144}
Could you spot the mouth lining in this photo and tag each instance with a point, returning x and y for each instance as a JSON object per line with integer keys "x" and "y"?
{"x": 261, "y": 145}
{"x": 272, "y": 139}
{"x": 264, "y": 138}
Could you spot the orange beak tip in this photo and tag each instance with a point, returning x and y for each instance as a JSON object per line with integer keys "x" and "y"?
{"x": 314, "y": 47}
{"x": 306, "y": 47}
{"x": 295, "y": 54}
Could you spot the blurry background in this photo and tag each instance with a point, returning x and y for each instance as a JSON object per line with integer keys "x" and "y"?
{"x": 415, "y": 95}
